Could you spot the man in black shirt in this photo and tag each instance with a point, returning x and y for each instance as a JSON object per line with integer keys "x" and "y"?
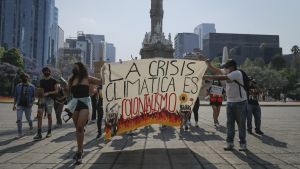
{"x": 49, "y": 87}
{"x": 254, "y": 108}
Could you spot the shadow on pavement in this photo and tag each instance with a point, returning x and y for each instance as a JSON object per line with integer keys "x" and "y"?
{"x": 166, "y": 134}
{"x": 18, "y": 148}
{"x": 253, "y": 160}
{"x": 68, "y": 137}
{"x": 271, "y": 141}
{"x": 148, "y": 159}
{"x": 5, "y": 142}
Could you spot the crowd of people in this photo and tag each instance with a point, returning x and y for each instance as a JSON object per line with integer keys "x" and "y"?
{"x": 82, "y": 95}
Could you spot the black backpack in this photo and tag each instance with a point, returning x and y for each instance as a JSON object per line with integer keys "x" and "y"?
{"x": 246, "y": 81}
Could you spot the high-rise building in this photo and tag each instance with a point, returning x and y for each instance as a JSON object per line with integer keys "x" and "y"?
{"x": 28, "y": 25}
{"x": 110, "y": 53}
{"x": 96, "y": 43}
{"x": 242, "y": 46}
{"x": 185, "y": 43}
{"x": 203, "y": 30}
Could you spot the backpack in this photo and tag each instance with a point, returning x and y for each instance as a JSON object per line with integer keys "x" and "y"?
{"x": 246, "y": 81}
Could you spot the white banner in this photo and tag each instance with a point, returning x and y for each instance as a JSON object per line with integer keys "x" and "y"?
{"x": 149, "y": 91}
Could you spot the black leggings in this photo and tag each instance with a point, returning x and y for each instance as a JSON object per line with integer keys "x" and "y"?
{"x": 195, "y": 109}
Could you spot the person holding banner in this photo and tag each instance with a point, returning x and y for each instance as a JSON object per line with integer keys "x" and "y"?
{"x": 215, "y": 93}
{"x": 236, "y": 101}
{"x": 80, "y": 104}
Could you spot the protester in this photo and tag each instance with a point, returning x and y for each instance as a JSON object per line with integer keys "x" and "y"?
{"x": 94, "y": 99}
{"x": 23, "y": 101}
{"x": 80, "y": 104}
{"x": 99, "y": 111}
{"x": 46, "y": 103}
{"x": 236, "y": 101}
{"x": 254, "y": 108}
{"x": 195, "y": 112}
{"x": 216, "y": 99}
{"x": 59, "y": 102}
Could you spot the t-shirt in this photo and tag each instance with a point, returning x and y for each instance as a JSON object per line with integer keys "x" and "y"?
{"x": 253, "y": 95}
{"x": 24, "y": 95}
{"x": 48, "y": 85}
{"x": 233, "y": 89}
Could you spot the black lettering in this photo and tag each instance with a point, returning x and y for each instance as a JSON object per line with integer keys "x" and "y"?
{"x": 192, "y": 70}
{"x": 182, "y": 68}
{"x": 144, "y": 86}
{"x": 106, "y": 93}
{"x": 150, "y": 66}
{"x": 160, "y": 67}
{"x": 195, "y": 82}
{"x": 133, "y": 70}
{"x": 176, "y": 67}
{"x": 172, "y": 84}
{"x": 162, "y": 84}
{"x": 185, "y": 85}
{"x": 110, "y": 80}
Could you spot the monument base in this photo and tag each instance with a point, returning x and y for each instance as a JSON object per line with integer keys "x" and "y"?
{"x": 156, "y": 50}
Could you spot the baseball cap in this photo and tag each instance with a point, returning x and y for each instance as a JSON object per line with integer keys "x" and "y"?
{"x": 229, "y": 63}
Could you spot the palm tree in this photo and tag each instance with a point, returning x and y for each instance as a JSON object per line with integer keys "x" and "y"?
{"x": 296, "y": 59}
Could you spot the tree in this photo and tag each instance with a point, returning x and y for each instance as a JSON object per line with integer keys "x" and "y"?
{"x": 278, "y": 62}
{"x": 13, "y": 57}
{"x": 2, "y": 50}
{"x": 259, "y": 62}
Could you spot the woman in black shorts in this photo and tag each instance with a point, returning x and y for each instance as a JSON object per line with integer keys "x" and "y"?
{"x": 216, "y": 99}
{"x": 80, "y": 104}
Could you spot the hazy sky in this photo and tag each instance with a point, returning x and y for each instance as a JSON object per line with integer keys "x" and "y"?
{"x": 125, "y": 22}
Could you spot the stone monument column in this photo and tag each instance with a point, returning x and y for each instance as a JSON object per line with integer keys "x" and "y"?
{"x": 155, "y": 45}
{"x": 156, "y": 14}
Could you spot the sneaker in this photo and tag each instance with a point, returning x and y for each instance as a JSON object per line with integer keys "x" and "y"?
{"x": 38, "y": 137}
{"x": 259, "y": 132}
{"x": 186, "y": 128}
{"x": 196, "y": 125}
{"x": 98, "y": 135}
{"x": 79, "y": 158}
{"x": 19, "y": 136}
{"x": 243, "y": 147}
{"x": 229, "y": 147}
{"x": 48, "y": 135}
{"x": 250, "y": 131}
{"x": 30, "y": 128}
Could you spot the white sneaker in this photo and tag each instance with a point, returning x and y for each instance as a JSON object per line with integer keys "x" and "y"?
{"x": 229, "y": 147}
{"x": 19, "y": 136}
{"x": 243, "y": 147}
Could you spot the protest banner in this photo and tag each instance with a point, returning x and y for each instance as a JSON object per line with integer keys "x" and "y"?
{"x": 216, "y": 90}
{"x": 149, "y": 91}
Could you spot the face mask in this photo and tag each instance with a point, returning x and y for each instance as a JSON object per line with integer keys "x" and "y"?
{"x": 75, "y": 71}
{"x": 24, "y": 80}
{"x": 47, "y": 74}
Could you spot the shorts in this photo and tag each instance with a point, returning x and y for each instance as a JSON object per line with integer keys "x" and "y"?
{"x": 80, "y": 106}
{"x": 46, "y": 104}
{"x": 216, "y": 103}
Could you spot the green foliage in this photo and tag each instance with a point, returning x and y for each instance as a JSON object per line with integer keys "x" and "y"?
{"x": 2, "y": 50}
{"x": 13, "y": 56}
{"x": 278, "y": 63}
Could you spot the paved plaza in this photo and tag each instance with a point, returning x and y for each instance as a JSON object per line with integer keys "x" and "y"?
{"x": 154, "y": 148}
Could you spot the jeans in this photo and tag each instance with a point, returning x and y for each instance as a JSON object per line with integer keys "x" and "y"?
{"x": 99, "y": 119}
{"x": 58, "y": 108}
{"x": 236, "y": 112}
{"x": 20, "y": 110}
{"x": 256, "y": 111}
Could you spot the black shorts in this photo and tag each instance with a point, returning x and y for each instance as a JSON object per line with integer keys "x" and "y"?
{"x": 81, "y": 106}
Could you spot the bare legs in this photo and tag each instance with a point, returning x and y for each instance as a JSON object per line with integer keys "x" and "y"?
{"x": 80, "y": 118}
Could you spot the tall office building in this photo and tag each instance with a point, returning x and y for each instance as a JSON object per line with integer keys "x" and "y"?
{"x": 96, "y": 43}
{"x": 28, "y": 25}
{"x": 185, "y": 43}
{"x": 203, "y": 30}
{"x": 242, "y": 46}
{"x": 110, "y": 53}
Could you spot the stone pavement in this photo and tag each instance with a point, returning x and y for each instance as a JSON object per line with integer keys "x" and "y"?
{"x": 152, "y": 147}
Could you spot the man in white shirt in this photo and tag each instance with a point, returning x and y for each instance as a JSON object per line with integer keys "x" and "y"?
{"x": 236, "y": 101}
